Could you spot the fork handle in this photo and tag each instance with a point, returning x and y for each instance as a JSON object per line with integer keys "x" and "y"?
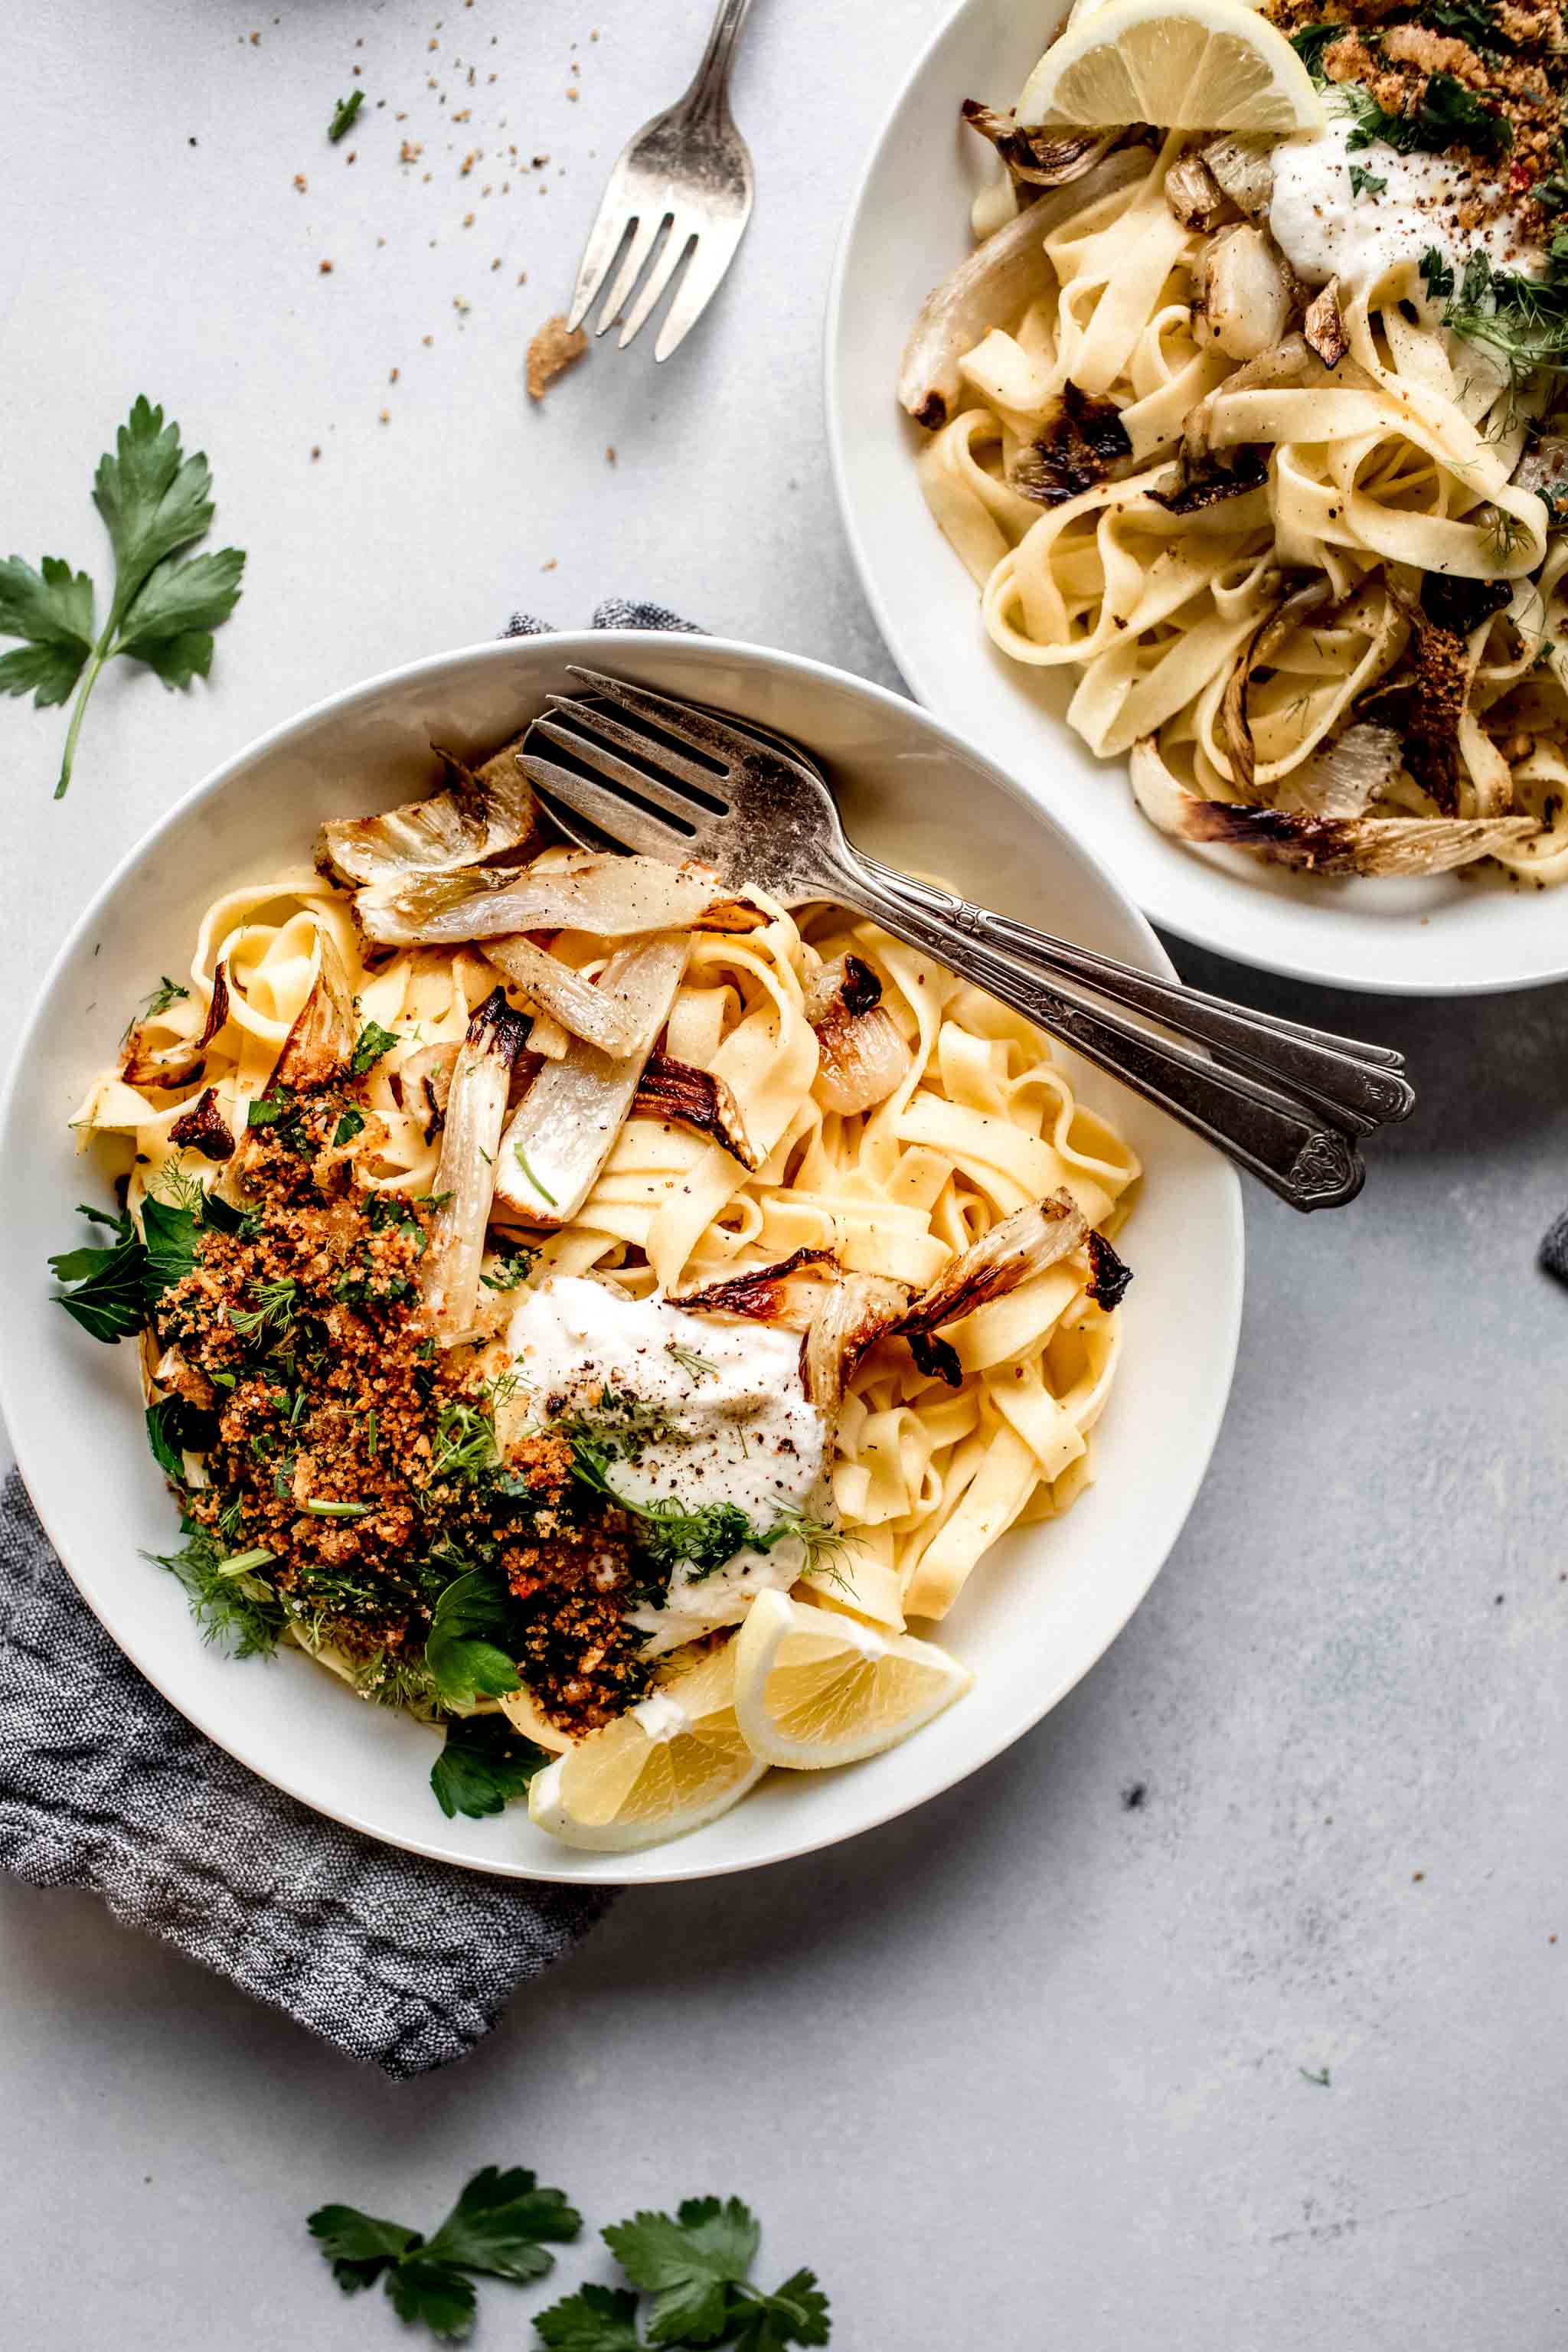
{"x": 1299, "y": 1155}
{"x": 1360, "y": 1087}
{"x": 708, "y": 84}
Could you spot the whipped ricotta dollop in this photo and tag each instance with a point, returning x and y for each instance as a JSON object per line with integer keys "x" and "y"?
{"x": 1326, "y": 228}
{"x": 721, "y": 1415}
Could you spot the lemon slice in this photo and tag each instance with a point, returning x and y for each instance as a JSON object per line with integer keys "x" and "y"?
{"x": 1184, "y": 65}
{"x": 668, "y": 1765}
{"x": 814, "y": 1688}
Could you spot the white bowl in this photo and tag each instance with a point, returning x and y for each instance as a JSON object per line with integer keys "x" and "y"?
{"x": 907, "y": 228}
{"x": 1038, "y": 1613}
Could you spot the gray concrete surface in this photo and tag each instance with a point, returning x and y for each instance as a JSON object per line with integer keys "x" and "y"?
{"x": 1033, "y": 2068}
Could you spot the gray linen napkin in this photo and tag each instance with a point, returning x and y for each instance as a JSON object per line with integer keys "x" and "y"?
{"x": 405, "y": 1962}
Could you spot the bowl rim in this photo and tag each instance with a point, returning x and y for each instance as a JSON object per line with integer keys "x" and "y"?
{"x": 1264, "y": 957}
{"x": 595, "y": 645}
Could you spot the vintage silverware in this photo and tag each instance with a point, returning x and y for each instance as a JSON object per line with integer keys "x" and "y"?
{"x": 1285, "y": 1101}
{"x": 687, "y": 175}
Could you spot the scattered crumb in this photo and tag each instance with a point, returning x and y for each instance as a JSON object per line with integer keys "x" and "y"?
{"x": 381, "y": 240}
{"x": 1134, "y": 1795}
{"x": 523, "y": 277}
{"x": 426, "y": 340}
{"x": 553, "y": 349}
{"x": 467, "y": 220}
{"x": 325, "y": 267}
{"x": 352, "y": 156}
{"x": 1416, "y": 1876}
{"x": 461, "y": 307}
{"x": 551, "y": 565}
{"x": 411, "y": 148}
{"x": 496, "y": 263}
{"x": 394, "y": 376}
{"x": 610, "y": 453}
{"x": 299, "y": 182}
{"x": 315, "y": 453}
{"x": 571, "y": 89}
{"x": 386, "y": 415}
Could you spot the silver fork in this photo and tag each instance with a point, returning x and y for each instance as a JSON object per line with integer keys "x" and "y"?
{"x": 687, "y": 170}
{"x": 702, "y": 787}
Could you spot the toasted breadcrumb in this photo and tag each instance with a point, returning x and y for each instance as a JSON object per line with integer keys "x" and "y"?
{"x": 553, "y": 349}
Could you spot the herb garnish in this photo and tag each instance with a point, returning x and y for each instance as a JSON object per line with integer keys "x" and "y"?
{"x": 1437, "y": 275}
{"x": 501, "y": 2227}
{"x": 484, "y": 1765}
{"x": 168, "y": 992}
{"x": 231, "y": 1603}
{"x": 154, "y": 501}
{"x": 701, "y": 1539}
{"x": 695, "y": 2264}
{"x": 523, "y": 1162}
{"x": 512, "y": 1268}
{"x": 694, "y": 1366}
{"x": 1364, "y": 182}
{"x": 1310, "y": 42}
{"x": 343, "y": 114}
{"x": 1445, "y": 114}
{"x": 373, "y": 1042}
{"x": 110, "y": 1298}
{"x": 351, "y": 1124}
{"x": 1522, "y": 321}
{"x": 462, "y": 1649}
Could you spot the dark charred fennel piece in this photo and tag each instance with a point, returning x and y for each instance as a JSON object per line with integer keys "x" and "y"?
{"x": 480, "y": 814}
{"x": 1034, "y": 159}
{"x": 178, "y": 1065}
{"x": 696, "y": 1099}
{"x": 1080, "y": 445}
{"x": 202, "y": 1127}
{"x": 613, "y": 897}
{"x": 464, "y": 1181}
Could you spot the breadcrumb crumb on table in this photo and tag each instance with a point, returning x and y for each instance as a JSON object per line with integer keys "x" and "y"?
{"x": 553, "y": 349}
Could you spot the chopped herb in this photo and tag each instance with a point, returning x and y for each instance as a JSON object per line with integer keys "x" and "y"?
{"x": 1445, "y": 114}
{"x": 511, "y": 1268}
{"x": 1436, "y": 275}
{"x": 370, "y": 1435}
{"x": 267, "y": 1110}
{"x": 484, "y": 1765}
{"x": 501, "y": 2227}
{"x": 154, "y": 501}
{"x": 1521, "y": 322}
{"x": 1320, "y": 2080}
{"x": 1470, "y": 21}
{"x": 351, "y": 1124}
{"x": 340, "y": 1510}
{"x": 164, "y": 1423}
{"x": 701, "y": 1540}
{"x": 373, "y": 1042}
{"x": 1310, "y": 42}
{"x": 170, "y": 1237}
{"x": 466, "y": 1443}
{"x": 694, "y": 1366}
{"x": 523, "y": 1162}
{"x": 1364, "y": 183}
{"x": 343, "y": 114}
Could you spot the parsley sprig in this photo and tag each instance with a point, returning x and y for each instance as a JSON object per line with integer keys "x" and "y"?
{"x": 695, "y": 2264}
{"x": 501, "y": 2227}
{"x": 701, "y": 1539}
{"x": 155, "y": 502}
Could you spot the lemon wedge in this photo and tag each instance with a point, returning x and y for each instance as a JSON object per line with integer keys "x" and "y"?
{"x": 816, "y": 1687}
{"x": 1184, "y": 65}
{"x": 672, "y": 1763}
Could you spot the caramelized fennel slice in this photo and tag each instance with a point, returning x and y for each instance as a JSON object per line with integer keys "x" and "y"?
{"x": 478, "y": 815}
{"x": 604, "y": 1016}
{"x": 612, "y": 897}
{"x": 862, "y": 1053}
{"x": 177, "y": 1066}
{"x": 567, "y": 1122}
{"x": 694, "y": 1098}
{"x": 998, "y": 280}
{"x": 476, "y": 1111}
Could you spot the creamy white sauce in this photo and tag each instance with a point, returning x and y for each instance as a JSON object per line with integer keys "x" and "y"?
{"x": 1325, "y": 230}
{"x": 732, "y": 1423}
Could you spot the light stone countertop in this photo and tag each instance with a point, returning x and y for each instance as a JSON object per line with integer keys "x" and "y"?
{"x": 1029, "y": 2068}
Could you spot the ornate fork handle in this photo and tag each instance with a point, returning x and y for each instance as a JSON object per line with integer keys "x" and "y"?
{"x": 709, "y": 83}
{"x": 1308, "y": 1161}
{"x": 1360, "y": 1087}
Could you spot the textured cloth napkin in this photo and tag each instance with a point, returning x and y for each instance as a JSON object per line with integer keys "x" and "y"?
{"x": 102, "y": 1785}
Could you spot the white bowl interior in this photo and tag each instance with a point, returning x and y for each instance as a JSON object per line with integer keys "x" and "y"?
{"x": 1042, "y": 1607}
{"x": 906, "y": 228}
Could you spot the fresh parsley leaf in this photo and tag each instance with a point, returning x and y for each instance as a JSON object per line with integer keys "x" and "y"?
{"x": 796, "y": 2313}
{"x": 1364, "y": 182}
{"x": 503, "y": 2224}
{"x": 172, "y": 1236}
{"x": 465, "y": 1662}
{"x": 343, "y": 114}
{"x": 686, "y": 2260}
{"x": 172, "y": 1427}
{"x": 595, "y": 2319}
{"x": 267, "y": 1110}
{"x": 351, "y": 1124}
{"x": 484, "y": 1765}
{"x": 1468, "y": 20}
{"x": 109, "y": 1296}
{"x": 499, "y": 2227}
{"x": 358, "y": 2246}
{"x": 1437, "y": 275}
{"x": 154, "y": 501}
{"x": 1445, "y": 114}
{"x": 373, "y": 1042}
{"x": 1310, "y": 42}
